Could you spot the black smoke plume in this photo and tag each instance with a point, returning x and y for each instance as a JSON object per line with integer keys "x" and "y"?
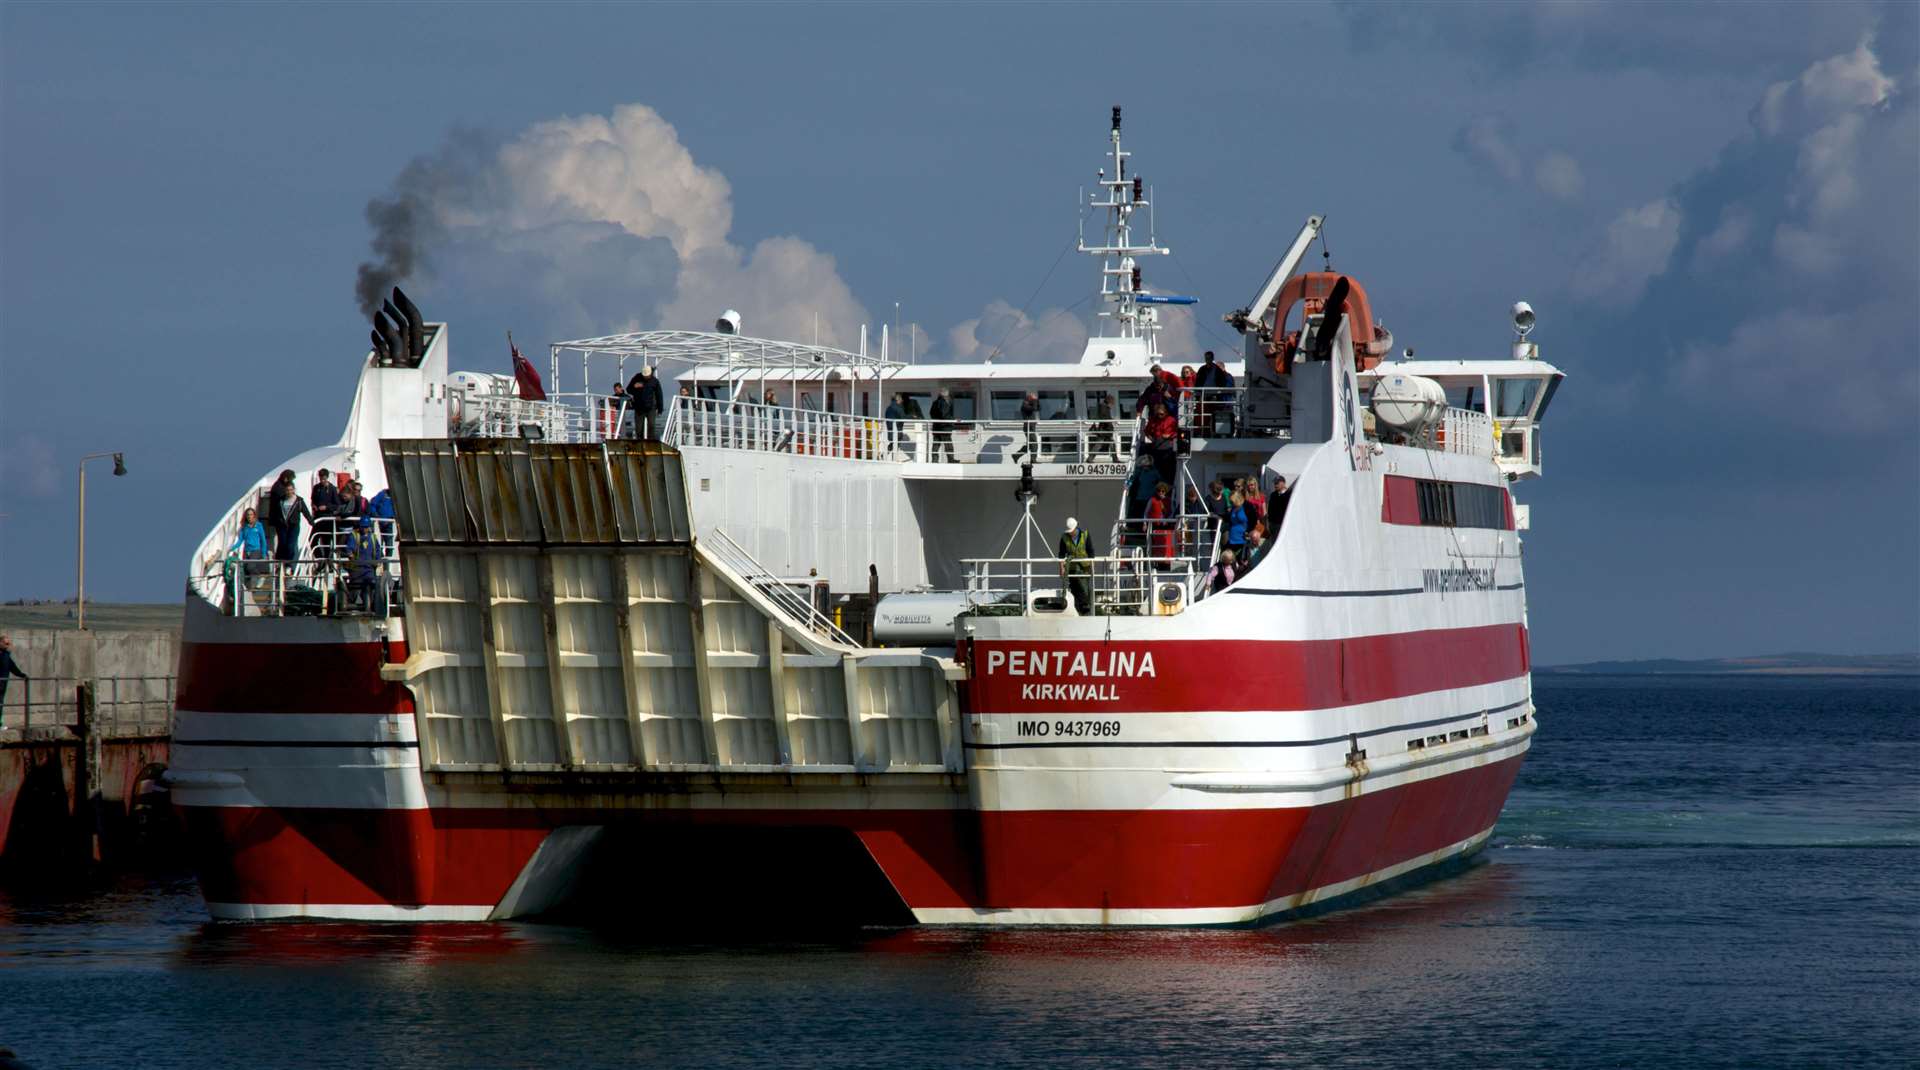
{"x": 406, "y": 222}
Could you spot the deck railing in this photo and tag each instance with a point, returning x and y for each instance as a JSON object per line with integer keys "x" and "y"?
{"x": 1466, "y": 431}
{"x": 1128, "y": 582}
{"x": 798, "y": 607}
{"x": 328, "y": 581}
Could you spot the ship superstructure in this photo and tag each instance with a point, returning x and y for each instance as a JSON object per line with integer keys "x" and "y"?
{"x": 828, "y": 609}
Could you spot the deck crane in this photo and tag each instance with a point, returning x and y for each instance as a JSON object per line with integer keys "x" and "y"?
{"x": 1253, "y": 318}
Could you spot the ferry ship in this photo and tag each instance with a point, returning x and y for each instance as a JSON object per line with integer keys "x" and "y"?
{"x": 815, "y": 639}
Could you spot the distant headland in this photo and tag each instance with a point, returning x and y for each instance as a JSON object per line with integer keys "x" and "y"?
{"x": 1760, "y": 665}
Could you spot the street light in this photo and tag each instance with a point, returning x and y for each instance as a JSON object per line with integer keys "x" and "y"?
{"x": 119, "y": 469}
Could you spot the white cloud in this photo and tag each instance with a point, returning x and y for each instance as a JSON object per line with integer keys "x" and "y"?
{"x": 1009, "y": 335}
{"x": 1825, "y": 91}
{"x": 594, "y": 223}
{"x": 1819, "y": 371}
{"x": 1488, "y": 141}
{"x": 1638, "y": 245}
{"x": 1558, "y": 175}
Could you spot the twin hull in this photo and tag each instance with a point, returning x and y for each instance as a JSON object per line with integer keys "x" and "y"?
{"x": 1336, "y": 720}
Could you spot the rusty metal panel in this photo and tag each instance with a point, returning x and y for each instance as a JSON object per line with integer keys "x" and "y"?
{"x": 428, "y": 503}
{"x": 496, "y": 475}
{"x": 576, "y": 501}
{"x": 649, "y": 492}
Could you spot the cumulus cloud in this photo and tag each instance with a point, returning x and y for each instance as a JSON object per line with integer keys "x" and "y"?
{"x": 1511, "y": 40}
{"x": 1796, "y": 299}
{"x": 1639, "y": 244}
{"x": 1007, "y": 334}
{"x": 596, "y": 223}
{"x": 1488, "y": 142}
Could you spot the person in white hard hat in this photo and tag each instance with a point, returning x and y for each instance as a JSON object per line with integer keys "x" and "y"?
{"x": 1076, "y": 547}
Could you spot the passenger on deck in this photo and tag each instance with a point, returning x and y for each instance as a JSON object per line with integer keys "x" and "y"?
{"x": 1277, "y": 503}
{"x": 645, "y": 400}
{"x": 942, "y": 415}
{"x": 1217, "y": 500}
{"x": 893, "y": 414}
{"x": 1153, "y": 395}
{"x": 1140, "y": 489}
{"x": 1193, "y": 515}
{"x": 285, "y": 515}
{"x": 352, "y": 505}
{"x": 1257, "y": 499}
{"x": 325, "y": 494}
{"x": 1161, "y": 439}
{"x": 251, "y": 542}
{"x": 1076, "y": 546}
{"x": 1236, "y": 535}
{"x": 1256, "y": 548}
{"x": 1029, "y": 427}
{"x": 614, "y": 412}
{"x": 1102, "y": 440}
{"x": 1222, "y": 574}
{"x": 1160, "y": 525}
{"x": 1214, "y": 385}
{"x": 1248, "y": 486}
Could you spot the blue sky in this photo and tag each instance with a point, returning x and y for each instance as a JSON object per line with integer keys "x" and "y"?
{"x": 1712, "y": 208}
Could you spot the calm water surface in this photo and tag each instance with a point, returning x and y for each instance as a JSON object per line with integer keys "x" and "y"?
{"x": 1690, "y": 873}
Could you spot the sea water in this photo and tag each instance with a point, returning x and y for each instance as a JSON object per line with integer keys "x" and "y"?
{"x": 1691, "y": 872}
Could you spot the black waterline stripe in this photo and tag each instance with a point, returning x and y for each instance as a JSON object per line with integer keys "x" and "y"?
{"x": 296, "y": 743}
{"x": 1246, "y": 743}
{"x": 1392, "y": 593}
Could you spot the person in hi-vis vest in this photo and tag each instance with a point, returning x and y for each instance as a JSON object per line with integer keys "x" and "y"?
{"x": 1076, "y": 546}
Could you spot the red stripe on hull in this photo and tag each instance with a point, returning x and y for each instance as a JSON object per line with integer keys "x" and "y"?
{"x": 399, "y": 857}
{"x": 289, "y": 678}
{"x": 1312, "y": 674}
{"x": 1151, "y": 859}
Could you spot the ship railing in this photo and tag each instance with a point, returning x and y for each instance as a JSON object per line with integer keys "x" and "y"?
{"x": 1121, "y": 584}
{"x": 725, "y": 424}
{"x": 792, "y": 597}
{"x": 331, "y": 586}
{"x": 122, "y": 705}
{"x": 560, "y": 418}
{"x": 1212, "y": 411}
{"x": 1465, "y": 431}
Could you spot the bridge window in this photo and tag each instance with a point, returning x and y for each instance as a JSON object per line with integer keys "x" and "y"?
{"x": 1514, "y": 397}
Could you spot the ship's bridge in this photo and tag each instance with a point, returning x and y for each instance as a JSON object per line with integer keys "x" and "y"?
{"x": 1509, "y": 395}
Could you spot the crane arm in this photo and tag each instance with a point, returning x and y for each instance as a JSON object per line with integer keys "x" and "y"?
{"x": 1252, "y": 317}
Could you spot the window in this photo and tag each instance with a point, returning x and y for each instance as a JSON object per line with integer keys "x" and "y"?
{"x": 1514, "y": 398}
{"x": 1464, "y": 396}
{"x": 1129, "y": 402}
{"x": 1006, "y": 404}
{"x": 1057, "y": 405}
{"x": 961, "y": 397}
{"x": 1437, "y": 503}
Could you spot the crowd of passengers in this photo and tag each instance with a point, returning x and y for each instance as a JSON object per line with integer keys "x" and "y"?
{"x": 342, "y": 527}
{"x": 1246, "y": 516}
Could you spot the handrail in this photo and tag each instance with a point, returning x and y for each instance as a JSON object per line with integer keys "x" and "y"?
{"x": 801, "y": 611}
{"x": 258, "y": 587}
{"x": 1115, "y": 581}
{"x": 151, "y": 710}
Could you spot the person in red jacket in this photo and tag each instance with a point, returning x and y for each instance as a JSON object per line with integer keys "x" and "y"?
{"x": 1160, "y": 525}
{"x": 1161, "y": 439}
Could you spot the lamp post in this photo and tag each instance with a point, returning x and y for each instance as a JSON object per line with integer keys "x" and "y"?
{"x": 119, "y": 469}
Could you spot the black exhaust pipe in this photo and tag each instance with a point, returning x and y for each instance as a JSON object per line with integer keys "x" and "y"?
{"x": 380, "y": 353}
{"x": 416, "y": 326}
{"x": 399, "y": 319}
{"x": 396, "y": 342}
{"x": 1330, "y": 316}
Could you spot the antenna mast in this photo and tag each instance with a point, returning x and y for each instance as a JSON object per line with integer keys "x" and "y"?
{"x": 1120, "y": 286}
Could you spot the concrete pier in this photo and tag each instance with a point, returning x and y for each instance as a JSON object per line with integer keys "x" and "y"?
{"x": 82, "y": 742}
